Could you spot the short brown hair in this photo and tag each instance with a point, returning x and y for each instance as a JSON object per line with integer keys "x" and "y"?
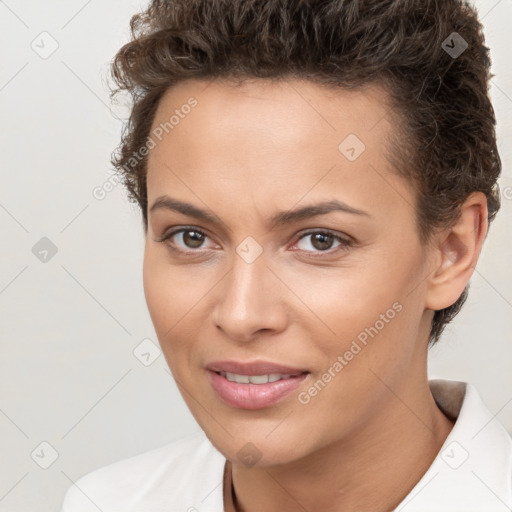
{"x": 445, "y": 140}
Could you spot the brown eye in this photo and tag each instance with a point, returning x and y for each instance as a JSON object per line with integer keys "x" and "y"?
{"x": 321, "y": 241}
{"x": 184, "y": 238}
{"x": 193, "y": 241}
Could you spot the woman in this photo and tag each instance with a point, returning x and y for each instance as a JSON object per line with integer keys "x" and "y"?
{"x": 316, "y": 181}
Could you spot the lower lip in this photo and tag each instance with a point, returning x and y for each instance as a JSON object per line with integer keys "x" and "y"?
{"x": 253, "y": 396}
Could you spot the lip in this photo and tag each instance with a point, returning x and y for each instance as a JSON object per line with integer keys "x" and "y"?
{"x": 254, "y": 396}
{"x": 259, "y": 367}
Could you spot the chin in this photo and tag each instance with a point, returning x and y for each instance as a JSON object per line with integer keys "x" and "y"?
{"x": 254, "y": 449}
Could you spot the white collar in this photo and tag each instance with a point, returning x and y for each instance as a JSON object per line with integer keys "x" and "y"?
{"x": 473, "y": 470}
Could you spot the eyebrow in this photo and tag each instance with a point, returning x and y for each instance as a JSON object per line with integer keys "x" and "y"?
{"x": 279, "y": 219}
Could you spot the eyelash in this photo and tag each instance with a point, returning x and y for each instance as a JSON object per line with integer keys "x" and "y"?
{"x": 345, "y": 243}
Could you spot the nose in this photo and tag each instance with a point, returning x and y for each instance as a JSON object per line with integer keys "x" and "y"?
{"x": 250, "y": 301}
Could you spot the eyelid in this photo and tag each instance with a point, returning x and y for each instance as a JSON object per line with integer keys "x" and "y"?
{"x": 335, "y": 234}
{"x": 171, "y": 232}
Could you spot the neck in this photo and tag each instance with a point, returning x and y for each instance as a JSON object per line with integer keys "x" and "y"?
{"x": 372, "y": 469}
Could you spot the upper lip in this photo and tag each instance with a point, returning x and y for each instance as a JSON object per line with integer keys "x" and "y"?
{"x": 254, "y": 368}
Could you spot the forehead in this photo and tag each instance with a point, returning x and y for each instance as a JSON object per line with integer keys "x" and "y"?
{"x": 288, "y": 110}
{"x": 275, "y": 141}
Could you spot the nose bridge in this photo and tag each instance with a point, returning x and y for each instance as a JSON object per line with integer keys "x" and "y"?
{"x": 249, "y": 300}
{"x": 246, "y": 287}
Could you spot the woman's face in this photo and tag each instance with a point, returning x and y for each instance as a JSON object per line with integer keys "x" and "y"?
{"x": 339, "y": 295}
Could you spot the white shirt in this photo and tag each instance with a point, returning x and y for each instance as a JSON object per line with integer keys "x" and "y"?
{"x": 471, "y": 473}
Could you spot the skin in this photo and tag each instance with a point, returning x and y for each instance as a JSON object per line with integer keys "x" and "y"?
{"x": 244, "y": 153}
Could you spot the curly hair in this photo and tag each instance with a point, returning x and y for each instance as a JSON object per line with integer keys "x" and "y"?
{"x": 444, "y": 140}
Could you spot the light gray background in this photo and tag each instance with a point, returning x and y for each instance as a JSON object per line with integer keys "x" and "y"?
{"x": 68, "y": 375}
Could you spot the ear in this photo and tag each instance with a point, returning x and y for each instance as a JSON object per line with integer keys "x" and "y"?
{"x": 456, "y": 251}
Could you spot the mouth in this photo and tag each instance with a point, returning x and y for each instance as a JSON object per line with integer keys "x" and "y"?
{"x": 256, "y": 379}
{"x": 254, "y": 385}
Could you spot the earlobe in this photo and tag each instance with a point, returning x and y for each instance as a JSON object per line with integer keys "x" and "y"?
{"x": 458, "y": 249}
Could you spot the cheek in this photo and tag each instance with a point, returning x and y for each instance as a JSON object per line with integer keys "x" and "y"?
{"x": 370, "y": 304}
{"x": 346, "y": 298}
{"x": 169, "y": 295}
{"x": 375, "y": 326}
{"x": 159, "y": 296}
{"x": 176, "y": 298}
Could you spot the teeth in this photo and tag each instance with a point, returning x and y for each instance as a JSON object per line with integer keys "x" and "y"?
{"x": 254, "y": 379}
{"x": 241, "y": 379}
{"x": 258, "y": 379}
